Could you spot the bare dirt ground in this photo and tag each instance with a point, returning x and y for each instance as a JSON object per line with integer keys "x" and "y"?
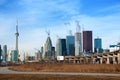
{"x": 54, "y": 77}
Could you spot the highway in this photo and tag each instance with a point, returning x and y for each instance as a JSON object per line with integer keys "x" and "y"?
{"x": 5, "y": 70}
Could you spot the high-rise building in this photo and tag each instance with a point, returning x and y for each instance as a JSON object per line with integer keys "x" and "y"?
{"x": 78, "y": 41}
{"x": 0, "y": 54}
{"x": 48, "y": 47}
{"x": 14, "y": 55}
{"x": 4, "y": 53}
{"x": 98, "y": 45}
{"x": 78, "y": 44}
{"x": 61, "y": 47}
{"x": 37, "y": 55}
{"x": 43, "y": 50}
{"x": 70, "y": 45}
{"x": 87, "y": 42}
{"x": 58, "y": 47}
{"x": 53, "y": 53}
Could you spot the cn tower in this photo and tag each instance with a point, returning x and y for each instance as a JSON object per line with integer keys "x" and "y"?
{"x": 17, "y": 34}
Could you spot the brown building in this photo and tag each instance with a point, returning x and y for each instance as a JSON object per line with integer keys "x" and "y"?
{"x": 87, "y": 41}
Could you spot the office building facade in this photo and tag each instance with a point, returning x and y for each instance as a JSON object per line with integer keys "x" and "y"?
{"x": 87, "y": 42}
{"x": 43, "y": 50}
{"x": 4, "y": 53}
{"x": 61, "y": 47}
{"x": 70, "y": 45}
{"x": 48, "y": 48}
{"x": 14, "y": 55}
{"x": 78, "y": 44}
{"x": 98, "y": 45}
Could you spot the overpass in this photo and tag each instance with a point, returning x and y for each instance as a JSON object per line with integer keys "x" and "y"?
{"x": 103, "y": 58}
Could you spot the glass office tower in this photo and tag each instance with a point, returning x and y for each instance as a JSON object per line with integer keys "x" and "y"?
{"x": 98, "y": 45}
{"x": 70, "y": 45}
{"x": 4, "y": 53}
{"x": 61, "y": 47}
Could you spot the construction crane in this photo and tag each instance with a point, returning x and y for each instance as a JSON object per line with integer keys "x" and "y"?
{"x": 78, "y": 26}
{"x": 58, "y": 37}
{"x": 48, "y": 32}
{"x": 68, "y": 24}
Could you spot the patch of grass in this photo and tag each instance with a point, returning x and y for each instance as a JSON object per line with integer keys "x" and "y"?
{"x": 109, "y": 68}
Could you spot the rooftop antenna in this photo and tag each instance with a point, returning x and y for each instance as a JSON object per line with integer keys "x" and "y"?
{"x": 78, "y": 26}
{"x": 83, "y": 29}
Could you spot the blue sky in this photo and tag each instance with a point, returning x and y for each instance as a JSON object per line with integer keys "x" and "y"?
{"x": 37, "y": 16}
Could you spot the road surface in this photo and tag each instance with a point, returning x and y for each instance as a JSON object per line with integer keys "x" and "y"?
{"x": 5, "y": 70}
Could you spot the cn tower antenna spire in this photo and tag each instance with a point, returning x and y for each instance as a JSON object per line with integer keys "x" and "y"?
{"x": 17, "y": 25}
{"x": 17, "y": 34}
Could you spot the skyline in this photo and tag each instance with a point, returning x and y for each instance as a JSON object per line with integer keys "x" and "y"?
{"x": 37, "y": 16}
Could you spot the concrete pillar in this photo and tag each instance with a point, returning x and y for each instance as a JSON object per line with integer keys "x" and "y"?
{"x": 69, "y": 60}
{"x": 101, "y": 60}
{"x": 114, "y": 61}
{"x": 93, "y": 60}
{"x": 108, "y": 61}
{"x": 118, "y": 58}
{"x": 74, "y": 61}
{"x": 85, "y": 60}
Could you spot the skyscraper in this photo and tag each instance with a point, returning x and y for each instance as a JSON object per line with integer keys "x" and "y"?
{"x": 43, "y": 50}
{"x": 87, "y": 41}
{"x": 4, "y": 53}
{"x": 98, "y": 45}
{"x": 58, "y": 47}
{"x": 70, "y": 45}
{"x": 14, "y": 55}
{"x": 48, "y": 47}
{"x": 78, "y": 41}
{"x": 61, "y": 47}
{"x": 53, "y": 53}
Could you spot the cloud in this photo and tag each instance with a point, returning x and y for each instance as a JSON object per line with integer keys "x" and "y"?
{"x": 37, "y": 16}
{"x": 6, "y": 30}
{"x": 106, "y": 27}
{"x": 48, "y": 11}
